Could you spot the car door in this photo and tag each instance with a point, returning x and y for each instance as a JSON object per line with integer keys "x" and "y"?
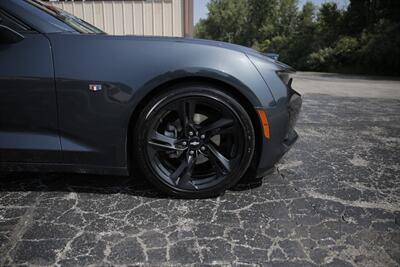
{"x": 28, "y": 107}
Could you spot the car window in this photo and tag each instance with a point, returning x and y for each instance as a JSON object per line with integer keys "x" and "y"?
{"x": 76, "y": 23}
{"x": 13, "y": 23}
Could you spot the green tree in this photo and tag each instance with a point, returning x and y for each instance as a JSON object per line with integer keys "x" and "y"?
{"x": 303, "y": 40}
{"x": 380, "y": 49}
{"x": 330, "y": 23}
{"x": 268, "y": 19}
{"x": 285, "y": 21}
{"x": 364, "y": 38}
{"x": 227, "y": 21}
{"x": 306, "y": 17}
{"x": 356, "y": 16}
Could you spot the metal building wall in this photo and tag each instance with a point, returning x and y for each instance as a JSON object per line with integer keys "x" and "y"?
{"x": 146, "y": 17}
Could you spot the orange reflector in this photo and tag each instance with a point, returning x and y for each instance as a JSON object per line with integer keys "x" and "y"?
{"x": 264, "y": 121}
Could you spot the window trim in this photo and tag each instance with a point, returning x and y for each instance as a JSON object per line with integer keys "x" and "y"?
{"x": 23, "y": 27}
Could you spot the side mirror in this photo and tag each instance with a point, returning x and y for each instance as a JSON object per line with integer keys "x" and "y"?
{"x": 9, "y": 36}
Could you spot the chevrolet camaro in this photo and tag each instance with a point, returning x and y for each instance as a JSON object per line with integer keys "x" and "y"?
{"x": 191, "y": 116}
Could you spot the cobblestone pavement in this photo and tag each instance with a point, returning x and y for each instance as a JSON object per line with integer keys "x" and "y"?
{"x": 333, "y": 201}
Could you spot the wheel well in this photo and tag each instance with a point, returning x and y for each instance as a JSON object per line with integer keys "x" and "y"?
{"x": 234, "y": 92}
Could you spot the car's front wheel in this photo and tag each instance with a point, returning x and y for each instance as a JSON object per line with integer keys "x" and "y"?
{"x": 194, "y": 141}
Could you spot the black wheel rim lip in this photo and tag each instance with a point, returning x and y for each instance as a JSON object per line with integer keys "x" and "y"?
{"x": 162, "y": 171}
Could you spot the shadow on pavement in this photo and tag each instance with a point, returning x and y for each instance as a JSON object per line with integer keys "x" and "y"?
{"x": 91, "y": 184}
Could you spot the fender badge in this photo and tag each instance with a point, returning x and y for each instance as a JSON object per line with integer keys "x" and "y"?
{"x": 94, "y": 87}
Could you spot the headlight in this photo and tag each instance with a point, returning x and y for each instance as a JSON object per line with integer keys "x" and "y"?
{"x": 276, "y": 75}
{"x": 285, "y": 77}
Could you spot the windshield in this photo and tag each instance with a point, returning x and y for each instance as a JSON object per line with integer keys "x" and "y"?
{"x": 77, "y": 24}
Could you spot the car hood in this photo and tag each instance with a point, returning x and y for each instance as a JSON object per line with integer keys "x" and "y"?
{"x": 234, "y": 47}
{"x": 205, "y": 42}
{"x": 238, "y": 48}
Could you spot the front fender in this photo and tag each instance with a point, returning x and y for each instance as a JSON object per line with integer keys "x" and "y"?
{"x": 129, "y": 68}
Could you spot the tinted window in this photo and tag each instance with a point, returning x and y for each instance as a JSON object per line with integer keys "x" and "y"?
{"x": 77, "y": 24}
{"x": 9, "y": 21}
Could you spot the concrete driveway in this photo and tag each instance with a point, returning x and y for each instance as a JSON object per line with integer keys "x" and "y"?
{"x": 333, "y": 201}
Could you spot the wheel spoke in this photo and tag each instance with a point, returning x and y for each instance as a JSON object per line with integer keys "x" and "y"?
{"x": 218, "y": 157}
{"x": 187, "y": 174}
{"x": 163, "y": 142}
{"x": 218, "y": 126}
{"x": 183, "y": 173}
{"x": 191, "y": 110}
{"x": 178, "y": 172}
{"x": 186, "y": 112}
{"x": 182, "y": 114}
{"x": 219, "y": 171}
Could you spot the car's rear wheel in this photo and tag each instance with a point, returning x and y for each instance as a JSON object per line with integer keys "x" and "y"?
{"x": 194, "y": 141}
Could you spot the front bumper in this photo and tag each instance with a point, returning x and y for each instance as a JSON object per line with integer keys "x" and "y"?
{"x": 294, "y": 107}
{"x": 283, "y": 133}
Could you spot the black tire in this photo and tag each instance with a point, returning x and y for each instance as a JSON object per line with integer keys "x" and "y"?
{"x": 193, "y": 141}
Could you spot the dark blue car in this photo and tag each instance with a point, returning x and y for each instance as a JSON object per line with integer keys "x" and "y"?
{"x": 192, "y": 116}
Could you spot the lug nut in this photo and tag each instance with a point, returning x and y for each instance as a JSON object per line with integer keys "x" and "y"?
{"x": 184, "y": 143}
{"x": 191, "y": 152}
{"x": 203, "y": 136}
{"x": 203, "y": 148}
{"x": 191, "y": 133}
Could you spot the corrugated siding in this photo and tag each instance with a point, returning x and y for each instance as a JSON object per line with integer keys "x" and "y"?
{"x": 154, "y": 17}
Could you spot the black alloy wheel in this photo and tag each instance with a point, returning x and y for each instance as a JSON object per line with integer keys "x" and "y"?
{"x": 194, "y": 141}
